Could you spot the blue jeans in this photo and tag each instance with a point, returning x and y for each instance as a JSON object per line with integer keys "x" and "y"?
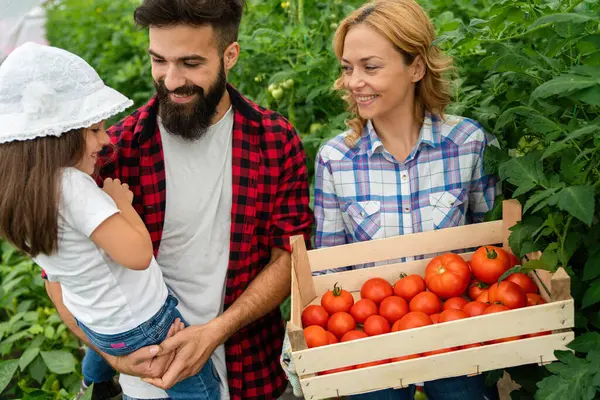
{"x": 205, "y": 385}
{"x": 458, "y": 388}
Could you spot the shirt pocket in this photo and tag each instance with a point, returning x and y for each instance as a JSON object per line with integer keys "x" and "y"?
{"x": 448, "y": 208}
{"x": 364, "y": 218}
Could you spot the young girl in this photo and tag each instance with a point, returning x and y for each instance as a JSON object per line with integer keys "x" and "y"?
{"x": 91, "y": 240}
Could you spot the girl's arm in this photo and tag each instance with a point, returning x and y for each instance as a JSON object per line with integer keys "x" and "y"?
{"x": 124, "y": 236}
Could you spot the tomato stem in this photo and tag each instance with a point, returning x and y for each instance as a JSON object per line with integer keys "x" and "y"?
{"x": 491, "y": 254}
{"x": 403, "y": 275}
{"x": 337, "y": 291}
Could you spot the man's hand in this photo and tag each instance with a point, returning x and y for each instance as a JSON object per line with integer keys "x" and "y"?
{"x": 192, "y": 347}
{"x": 146, "y": 362}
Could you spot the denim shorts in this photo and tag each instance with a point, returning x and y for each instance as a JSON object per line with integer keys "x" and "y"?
{"x": 204, "y": 385}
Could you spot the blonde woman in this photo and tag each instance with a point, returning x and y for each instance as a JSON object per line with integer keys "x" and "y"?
{"x": 404, "y": 166}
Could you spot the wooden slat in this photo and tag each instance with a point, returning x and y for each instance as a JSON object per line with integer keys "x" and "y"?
{"x": 560, "y": 285}
{"x": 302, "y": 269}
{"x": 459, "y": 363}
{"x": 423, "y": 243}
{"x": 353, "y": 280}
{"x": 552, "y": 316}
{"x": 296, "y": 300}
{"x": 511, "y": 214}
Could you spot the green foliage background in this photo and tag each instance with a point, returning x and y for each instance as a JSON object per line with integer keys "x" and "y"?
{"x": 528, "y": 70}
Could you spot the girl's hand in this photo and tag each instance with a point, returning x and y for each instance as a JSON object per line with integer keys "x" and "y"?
{"x": 118, "y": 191}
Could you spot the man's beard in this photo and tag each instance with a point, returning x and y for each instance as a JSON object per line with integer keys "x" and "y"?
{"x": 190, "y": 121}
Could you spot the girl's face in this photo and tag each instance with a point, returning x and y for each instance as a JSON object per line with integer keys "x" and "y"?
{"x": 376, "y": 74}
{"x": 95, "y": 139}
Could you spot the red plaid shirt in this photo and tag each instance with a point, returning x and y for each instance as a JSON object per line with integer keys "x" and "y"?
{"x": 270, "y": 204}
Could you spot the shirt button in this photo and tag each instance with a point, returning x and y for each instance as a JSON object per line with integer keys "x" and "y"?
{"x": 404, "y": 177}
{"x": 362, "y": 214}
{"x": 406, "y": 210}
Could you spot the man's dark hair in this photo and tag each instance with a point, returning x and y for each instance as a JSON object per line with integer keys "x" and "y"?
{"x": 223, "y": 15}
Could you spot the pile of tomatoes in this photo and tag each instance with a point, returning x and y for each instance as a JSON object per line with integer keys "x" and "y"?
{"x": 452, "y": 289}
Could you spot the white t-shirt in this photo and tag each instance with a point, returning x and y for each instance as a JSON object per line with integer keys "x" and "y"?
{"x": 194, "y": 249}
{"x": 105, "y": 296}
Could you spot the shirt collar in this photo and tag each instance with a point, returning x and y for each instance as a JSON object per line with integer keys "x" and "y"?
{"x": 430, "y": 134}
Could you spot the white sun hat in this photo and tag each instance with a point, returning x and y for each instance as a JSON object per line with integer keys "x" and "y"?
{"x": 47, "y": 91}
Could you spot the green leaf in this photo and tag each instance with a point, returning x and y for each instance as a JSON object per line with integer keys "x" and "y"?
{"x": 590, "y": 95}
{"x": 7, "y": 370}
{"x": 523, "y": 172}
{"x": 88, "y": 393}
{"x": 592, "y": 294}
{"x": 37, "y": 369}
{"x": 562, "y": 18}
{"x": 49, "y": 332}
{"x": 540, "y": 196}
{"x": 586, "y": 343}
{"x": 28, "y": 356}
{"x": 591, "y": 270}
{"x": 563, "y": 86}
{"x": 522, "y": 233}
{"x": 59, "y": 361}
{"x": 577, "y": 201}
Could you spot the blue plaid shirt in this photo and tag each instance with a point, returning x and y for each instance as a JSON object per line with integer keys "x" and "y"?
{"x": 364, "y": 193}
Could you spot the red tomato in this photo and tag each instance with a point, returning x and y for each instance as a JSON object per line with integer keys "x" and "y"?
{"x": 435, "y": 318}
{"x": 331, "y": 338}
{"x": 333, "y": 371}
{"x": 404, "y": 358}
{"x": 489, "y": 263}
{"x": 452, "y": 315}
{"x": 315, "y": 315}
{"x": 494, "y": 308}
{"x": 447, "y": 275}
{"x": 538, "y": 334}
{"x": 315, "y": 336}
{"x": 363, "y": 309}
{"x": 504, "y": 340}
{"x": 440, "y": 351}
{"x": 475, "y": 308}
{"x": 413, "y": 319}
{"x": 476, "y": 287}
{"x": 426, "y": 302}
{"x": 470, "y": 346}
{"x": 376, "y": 289}
{"x": 372, "y": 364}
{"x": 337, "y": 300}
{"x": 456, "y": 303}
{"x": 352, "y": 335}
{"x": 534, "y": 299}
{"x": 514, "y": 261}
{"x": 509, "y": 294}
{"x": 340, "y": 323}
{"x": 525, "y": 282}
{"x": 376, "y": 325}
{"x": 393, "y": 308}
{"x": 484, "y": 297}
{"x": 409, "y": 286}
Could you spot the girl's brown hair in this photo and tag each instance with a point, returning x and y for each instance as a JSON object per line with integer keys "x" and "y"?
{"x": 31, "y": 172}
{"x": 408, "y": 28}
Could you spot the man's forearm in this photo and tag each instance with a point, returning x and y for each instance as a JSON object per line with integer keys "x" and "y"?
{"x": 266, "y": 292}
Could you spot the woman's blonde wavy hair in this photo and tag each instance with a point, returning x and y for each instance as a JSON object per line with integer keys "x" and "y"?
{"x": 408, "y": 28}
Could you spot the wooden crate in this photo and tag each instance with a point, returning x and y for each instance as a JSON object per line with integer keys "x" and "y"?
{"x": 556, "y": 316}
